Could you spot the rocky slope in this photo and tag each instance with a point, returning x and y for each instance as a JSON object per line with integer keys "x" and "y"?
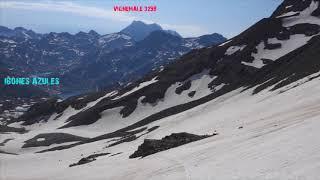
{"x": 268, "y": 53}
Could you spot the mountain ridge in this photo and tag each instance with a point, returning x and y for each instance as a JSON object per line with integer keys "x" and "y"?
{"x": 61, "y": 54}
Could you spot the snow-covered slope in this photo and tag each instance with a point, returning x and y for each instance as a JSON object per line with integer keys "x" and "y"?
{"x": 259, "y": 92}
{"x": 276, "y": 141}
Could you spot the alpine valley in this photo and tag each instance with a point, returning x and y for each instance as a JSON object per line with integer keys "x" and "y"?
{"x": 89, "y": 61}
{"x": 246, "y": 108}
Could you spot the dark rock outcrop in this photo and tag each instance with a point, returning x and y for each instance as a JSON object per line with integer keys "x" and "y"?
{"x": 5, "y": 129}
{"x": 152, "y": 146}
{"x": 88, "y": 159}
{"x": 51, "y": 138}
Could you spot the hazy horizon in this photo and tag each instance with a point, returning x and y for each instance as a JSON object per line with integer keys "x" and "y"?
{"x": 190, "y": 19}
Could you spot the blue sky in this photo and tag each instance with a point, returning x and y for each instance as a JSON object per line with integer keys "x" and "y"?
{"x": 188, "y": 17}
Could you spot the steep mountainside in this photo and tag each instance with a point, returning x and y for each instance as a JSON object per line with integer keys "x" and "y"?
{"x": 262, "y": 56}
{"x": 251, "y": 105}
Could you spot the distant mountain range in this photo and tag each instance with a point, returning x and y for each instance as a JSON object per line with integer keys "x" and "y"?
{"x": 89, "y": 61}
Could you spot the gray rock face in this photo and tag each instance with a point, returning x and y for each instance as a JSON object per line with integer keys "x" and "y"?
{"x": 139, "y": 30}
{"x": 152, "y": 146}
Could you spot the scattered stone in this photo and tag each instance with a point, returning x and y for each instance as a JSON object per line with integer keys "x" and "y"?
{"x": 183, "y": 87}
{"x": 191, "y": 94}
{"x": 88, "y": 159}
{"x": 116, "y": 154}
{"x": 272, "y": 46}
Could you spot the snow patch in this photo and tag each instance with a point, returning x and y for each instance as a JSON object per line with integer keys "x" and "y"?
{"x": 233, "y": 49}
{"x": 140, "y": 86}
{"x": 7, "y": 41}
{"x": 225, "y": 43}
{"x": 291, "y": 13}
{"x": 303, "y": 17}
{"x": 112, "y": 37}
{"x": 193, "y": 43}
{"x": 287, "y": 7}
{"x": 41, "y": 139}
{"x": 296, "y": 41}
